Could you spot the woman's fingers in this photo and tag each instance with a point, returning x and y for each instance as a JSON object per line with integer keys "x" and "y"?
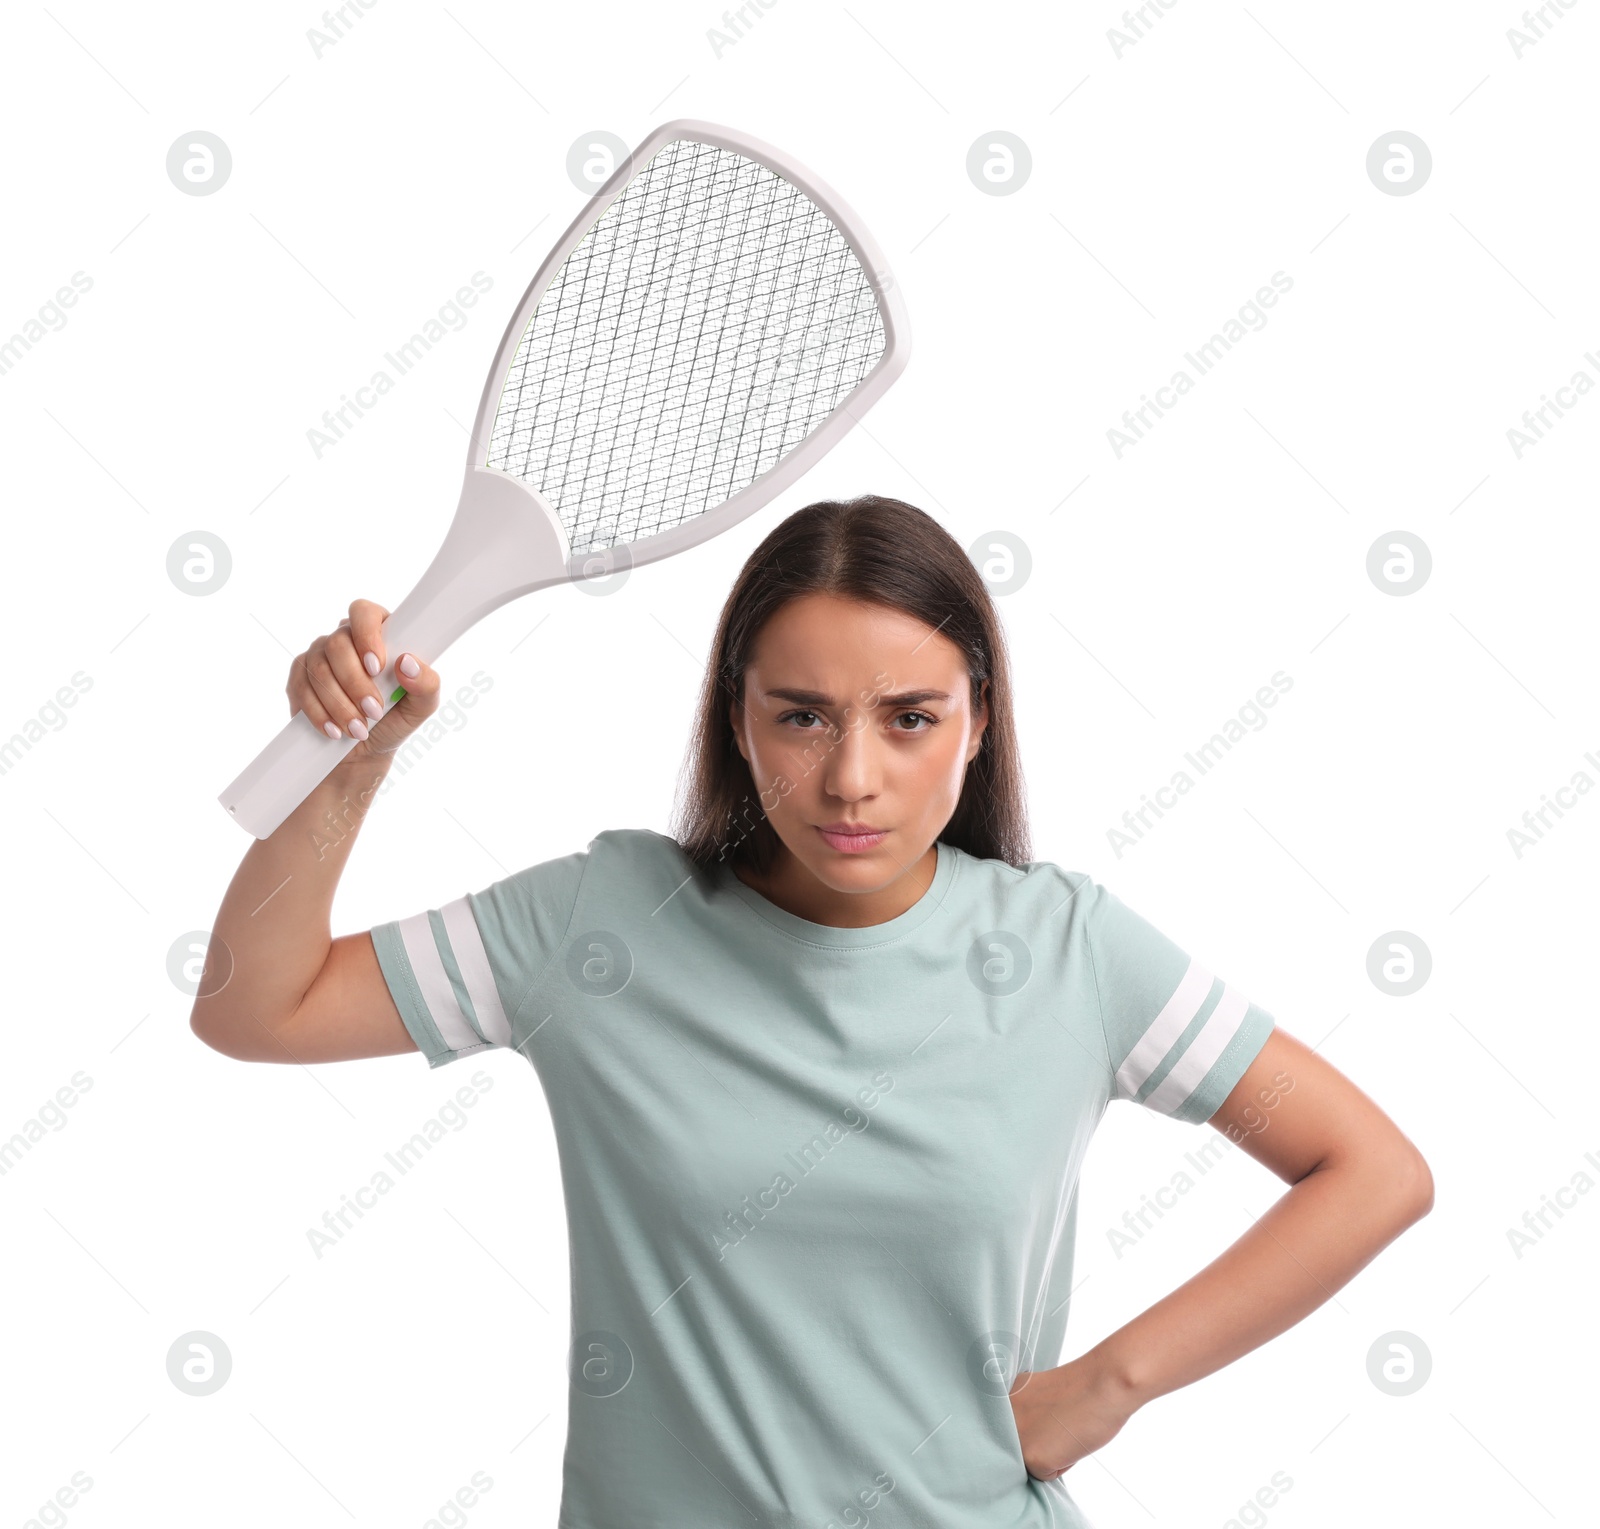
{"x": 335, "y": 682}
{"x": 329, "y": 681}
{"x": 306, "y": 693}
{"x": 329, "y": 662}
{"x": 354, "y": 682}
{"x": 365, "y": 625}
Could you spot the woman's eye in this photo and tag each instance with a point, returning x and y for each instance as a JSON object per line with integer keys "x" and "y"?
{"x": 915, "y": 717}
{"x": 797, "y": 716}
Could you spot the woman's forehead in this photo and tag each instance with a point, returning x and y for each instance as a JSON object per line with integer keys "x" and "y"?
{"x": 821, "y": 662}
{"x": 833, "y": 632}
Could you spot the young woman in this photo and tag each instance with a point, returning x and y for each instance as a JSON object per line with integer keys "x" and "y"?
{"x": 823, "y": 1067}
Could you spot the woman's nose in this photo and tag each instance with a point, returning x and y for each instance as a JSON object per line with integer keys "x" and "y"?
{"x": 854, "y": 771}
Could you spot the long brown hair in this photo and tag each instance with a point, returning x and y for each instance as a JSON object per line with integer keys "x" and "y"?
{"x": 886, "y": 552}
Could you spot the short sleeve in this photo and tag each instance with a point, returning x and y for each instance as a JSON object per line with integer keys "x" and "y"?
{"x": 462, "y": 974}
{"x": 1178, "y": 1038}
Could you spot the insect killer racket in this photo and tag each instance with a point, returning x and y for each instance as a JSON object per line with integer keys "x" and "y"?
{"x": 709, "y": 326}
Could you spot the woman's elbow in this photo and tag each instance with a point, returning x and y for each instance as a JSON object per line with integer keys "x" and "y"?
{"x": 1391, "y": 1179}
{"x": 1415, "y": 1183}
{"x": 218, "y": 1031}
{"x": 208, "y": 1035}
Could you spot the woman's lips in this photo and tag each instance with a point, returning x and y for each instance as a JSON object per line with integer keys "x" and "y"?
{"x": 854, "y": 841}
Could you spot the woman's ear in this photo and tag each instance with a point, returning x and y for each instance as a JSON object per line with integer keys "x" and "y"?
{"x": 980, "y": 722}
{"x": 736, "y": 722}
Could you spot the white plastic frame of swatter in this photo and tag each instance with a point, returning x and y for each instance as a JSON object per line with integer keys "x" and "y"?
{"x": 789, "y": 467}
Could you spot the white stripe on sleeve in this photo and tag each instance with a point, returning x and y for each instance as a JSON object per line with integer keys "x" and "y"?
{"x": 473, "y": 961}
{"x": 1164, "y": 1030}
{"x": 1186, "y": 1075}
{"x": 455, "y": 1029}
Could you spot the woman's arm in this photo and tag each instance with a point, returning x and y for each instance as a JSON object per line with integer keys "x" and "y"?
{"x": 1356, "y": 1183}
{"x": 278, "y": 987}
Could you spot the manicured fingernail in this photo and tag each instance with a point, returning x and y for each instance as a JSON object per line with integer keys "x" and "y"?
{"x": 409, "y": 667}
{"x": 332, "y": 729}
{"x": 371, "y": 661}
{"x": 372, "y": 706}
{"x": 358, "y": 729}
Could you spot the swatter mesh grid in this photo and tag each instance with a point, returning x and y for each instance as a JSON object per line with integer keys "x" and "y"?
{"x": 706, "y": 324}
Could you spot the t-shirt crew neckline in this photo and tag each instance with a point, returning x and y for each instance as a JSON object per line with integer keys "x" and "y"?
{"x": 901, "y": 924}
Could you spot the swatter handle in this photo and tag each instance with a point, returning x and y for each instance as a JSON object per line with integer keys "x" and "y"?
{"x": 503, "y": 542}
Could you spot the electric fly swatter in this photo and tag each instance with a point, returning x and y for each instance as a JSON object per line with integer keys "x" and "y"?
{"x": 709, "y": 326}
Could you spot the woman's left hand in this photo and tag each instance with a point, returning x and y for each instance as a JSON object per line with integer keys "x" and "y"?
{"x": 1066, "y": 1413}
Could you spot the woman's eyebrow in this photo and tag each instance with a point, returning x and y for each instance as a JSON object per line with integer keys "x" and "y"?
{"x": 817, "y": 698}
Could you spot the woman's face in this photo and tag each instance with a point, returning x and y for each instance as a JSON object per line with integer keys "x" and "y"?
{"x": 857, "y": 725}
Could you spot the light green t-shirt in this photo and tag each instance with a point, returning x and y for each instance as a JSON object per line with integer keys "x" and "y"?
{"x": 820, "y": 1183}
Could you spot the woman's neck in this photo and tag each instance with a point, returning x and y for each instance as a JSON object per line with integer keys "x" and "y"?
{"x": 789, "y": 885}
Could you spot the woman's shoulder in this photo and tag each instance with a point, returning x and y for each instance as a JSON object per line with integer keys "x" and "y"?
{"x": 630, "y": 844}
{"x": 613, "y": 855}
{"x": 638, "y": 846}
{"x": 628, "y": 873}
{"x": 1033, "y": 888}
{"x": 1029, "y": 873}
{"x": 637, "y": 859}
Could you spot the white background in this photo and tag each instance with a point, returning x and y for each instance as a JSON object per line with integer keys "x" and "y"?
{"x": 1168, "y": 183}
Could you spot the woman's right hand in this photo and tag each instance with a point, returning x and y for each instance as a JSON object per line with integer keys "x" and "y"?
{"x": 333, "y": 682}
